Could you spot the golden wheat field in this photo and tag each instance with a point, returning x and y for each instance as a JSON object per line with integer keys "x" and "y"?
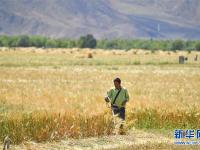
{"x": 50, "y": 94}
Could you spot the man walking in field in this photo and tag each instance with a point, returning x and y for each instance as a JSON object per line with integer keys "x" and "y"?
{"x": 118, "y": 97}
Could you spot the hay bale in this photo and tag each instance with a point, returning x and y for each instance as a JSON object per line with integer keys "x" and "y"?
{"x": 135, "y": 52}
{"x": 186, "y": 58}
{"x": 153, "y": 51}
{"x": 90, "y": 55}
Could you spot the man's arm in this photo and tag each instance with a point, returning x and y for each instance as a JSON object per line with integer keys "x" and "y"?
{"x": 109, "y": 95}
{"x": 126, "y": 95}
{"x": 126, "y": 98}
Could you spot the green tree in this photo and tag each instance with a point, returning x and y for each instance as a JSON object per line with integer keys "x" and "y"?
{"x": 87, "y": 41}
{"x": 1, "y": 43}
{"x": 23, "y": 41}
{"x": 12, "y": 41}
{"x": 4, "y": 40}
{"x": 197, "y": 46}
{"x": 177, "y": 45}
{"x": 37, "y": 41}
{"x": 51, "y": 43}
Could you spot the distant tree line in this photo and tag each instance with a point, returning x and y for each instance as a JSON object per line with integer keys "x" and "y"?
{"x": 149, "y": 44}
{"x": 89, "y": 41}
{"x": 35, "y": 41}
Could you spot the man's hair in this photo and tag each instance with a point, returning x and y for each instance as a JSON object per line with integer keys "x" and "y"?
{"x": 117, "y": 80}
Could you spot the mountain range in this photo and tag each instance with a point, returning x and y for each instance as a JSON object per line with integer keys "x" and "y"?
{"x": 158, "y": 19}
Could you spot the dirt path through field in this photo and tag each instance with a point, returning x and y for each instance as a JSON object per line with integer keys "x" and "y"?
{"x": 135, "y": 138}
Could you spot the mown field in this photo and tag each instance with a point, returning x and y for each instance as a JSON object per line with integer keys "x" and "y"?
{"x": 51, "y": 94}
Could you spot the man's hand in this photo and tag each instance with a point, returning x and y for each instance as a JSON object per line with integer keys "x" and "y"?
{"x": 124, "y": 102}
{"x": 106, "y": 99}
